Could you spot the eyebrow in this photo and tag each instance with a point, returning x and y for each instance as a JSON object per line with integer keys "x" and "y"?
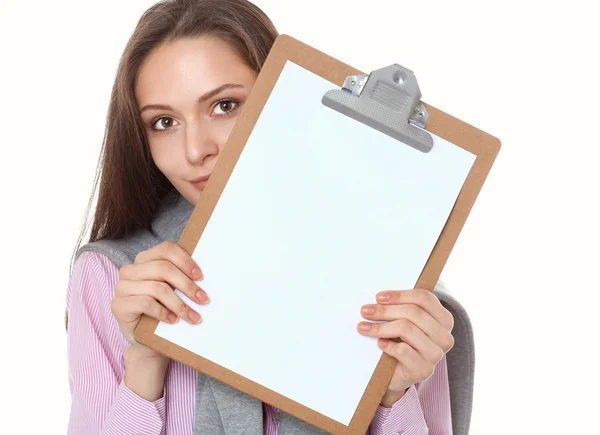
{"x": 208, "y": 95}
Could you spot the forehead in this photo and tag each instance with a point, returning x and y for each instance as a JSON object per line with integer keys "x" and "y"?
{"x": 189, "y": 67}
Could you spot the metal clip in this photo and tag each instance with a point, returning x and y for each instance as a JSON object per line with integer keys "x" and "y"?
{"x": 388, "y": 100}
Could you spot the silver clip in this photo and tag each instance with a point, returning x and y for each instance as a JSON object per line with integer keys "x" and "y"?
{"x": 388, "y": 100}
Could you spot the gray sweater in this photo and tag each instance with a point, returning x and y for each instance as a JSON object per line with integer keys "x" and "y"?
{"x": 223, "y": 410}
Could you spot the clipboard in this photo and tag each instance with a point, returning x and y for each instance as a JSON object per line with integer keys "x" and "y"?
{"x": 387, "y": 100}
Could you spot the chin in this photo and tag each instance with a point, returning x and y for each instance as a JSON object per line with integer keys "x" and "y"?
{"x": 189, "y": 192}
{"x": 193, "y": 197}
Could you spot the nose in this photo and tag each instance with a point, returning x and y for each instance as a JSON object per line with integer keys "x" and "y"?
{"x": 201, "y": 143}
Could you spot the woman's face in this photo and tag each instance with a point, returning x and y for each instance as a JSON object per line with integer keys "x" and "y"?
{"x": 190, "y": 94}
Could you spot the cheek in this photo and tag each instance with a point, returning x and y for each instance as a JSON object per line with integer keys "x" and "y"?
{"x": 224, "y": 129}
{"x": 164, "y": 154}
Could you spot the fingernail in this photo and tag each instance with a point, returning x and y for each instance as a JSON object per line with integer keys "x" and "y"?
{"x": 202, "y": 297}
{"x": 172, "y": 318}
{"x": 383, "y": 297}
{"x": 368, "y": 309}
{"x": 194, "y": 316}
{"x": 382, "y": 343}
{"x": 196, "y": 273}
{"x": 364, "y": 326}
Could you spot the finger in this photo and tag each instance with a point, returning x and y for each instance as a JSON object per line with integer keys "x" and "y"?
{"x": 421, "y": 318}
{"x": 164, "y": 270}
{"x": 168, "y": 250}
{"x": 421, "y": 297}
{"x": 129, "y": 308}
{"x": 163, "y": 293}
{"x": 410, "y": 362}
{"x": 409, "y": 333}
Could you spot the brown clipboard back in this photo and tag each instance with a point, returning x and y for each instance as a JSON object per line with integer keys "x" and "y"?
{"x": 483, "y": 145}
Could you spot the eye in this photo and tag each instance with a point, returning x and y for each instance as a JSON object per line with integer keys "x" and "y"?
{"x": 165, "y": 121}
{"x": 225, "y": 107}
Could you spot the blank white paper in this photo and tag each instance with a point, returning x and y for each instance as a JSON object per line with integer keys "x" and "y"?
{"x": 320, "y": 213}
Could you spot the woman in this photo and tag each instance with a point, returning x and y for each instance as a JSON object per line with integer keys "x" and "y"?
{"x": 182, "y": 81}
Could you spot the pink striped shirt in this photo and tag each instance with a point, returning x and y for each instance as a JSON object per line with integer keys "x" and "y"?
{"x": 102, "y": 403}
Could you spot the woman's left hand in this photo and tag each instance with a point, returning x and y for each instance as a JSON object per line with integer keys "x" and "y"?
{"x": 423, "y": 325}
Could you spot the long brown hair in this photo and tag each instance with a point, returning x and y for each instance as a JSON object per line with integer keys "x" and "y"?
{"x": 130, "y": 185}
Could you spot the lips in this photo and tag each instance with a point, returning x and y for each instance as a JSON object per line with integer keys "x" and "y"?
{"x": 200, "y": 179}
{"x": 200, "y": 182}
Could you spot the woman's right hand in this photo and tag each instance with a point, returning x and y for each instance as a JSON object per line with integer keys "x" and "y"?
{"x": 146, "y": 287}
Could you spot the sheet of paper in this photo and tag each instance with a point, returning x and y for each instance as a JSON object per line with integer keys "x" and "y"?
{"x": 320, "y": 213}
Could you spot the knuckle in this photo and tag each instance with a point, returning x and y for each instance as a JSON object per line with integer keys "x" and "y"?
{"x": 449, "y": 320}
{"x": 423, "y": 296}
{"x": 405, "y": 325}
{"x": 139, "y": 258}
{"x": 427, "y": 372}
{"x": 146, "y": 303}
{"x": 192, "y": 288}
{"x": 164, "y": 268}
{"x": 397, "y": 297}
{"x": 113, "y": 306}
{"x": 414, "y": 311}
{"x": 182, "y": 309}
{"x": 162, "y": 289}
{"x": 128, "y": 272}
{"x": 163, "y": 312}
{"x": 168, "y": 247}
{"x": 157, "y": 289}
{"x": 118, "y": 288}
{"x": 374, "y": 329}
{"x": 448, "y": 343}
{"x": 166, "y": 289}
{"x": 402, "y": 350}
{"x": 163, "y": 246}
{"x": 123, "y": 271}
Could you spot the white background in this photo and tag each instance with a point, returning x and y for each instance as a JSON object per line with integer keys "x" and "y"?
{"x": 525, "y": 264}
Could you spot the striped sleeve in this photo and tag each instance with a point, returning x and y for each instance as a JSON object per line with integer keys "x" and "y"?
{"x": 424, "y": 409}
{"x": 101, "y": 402}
